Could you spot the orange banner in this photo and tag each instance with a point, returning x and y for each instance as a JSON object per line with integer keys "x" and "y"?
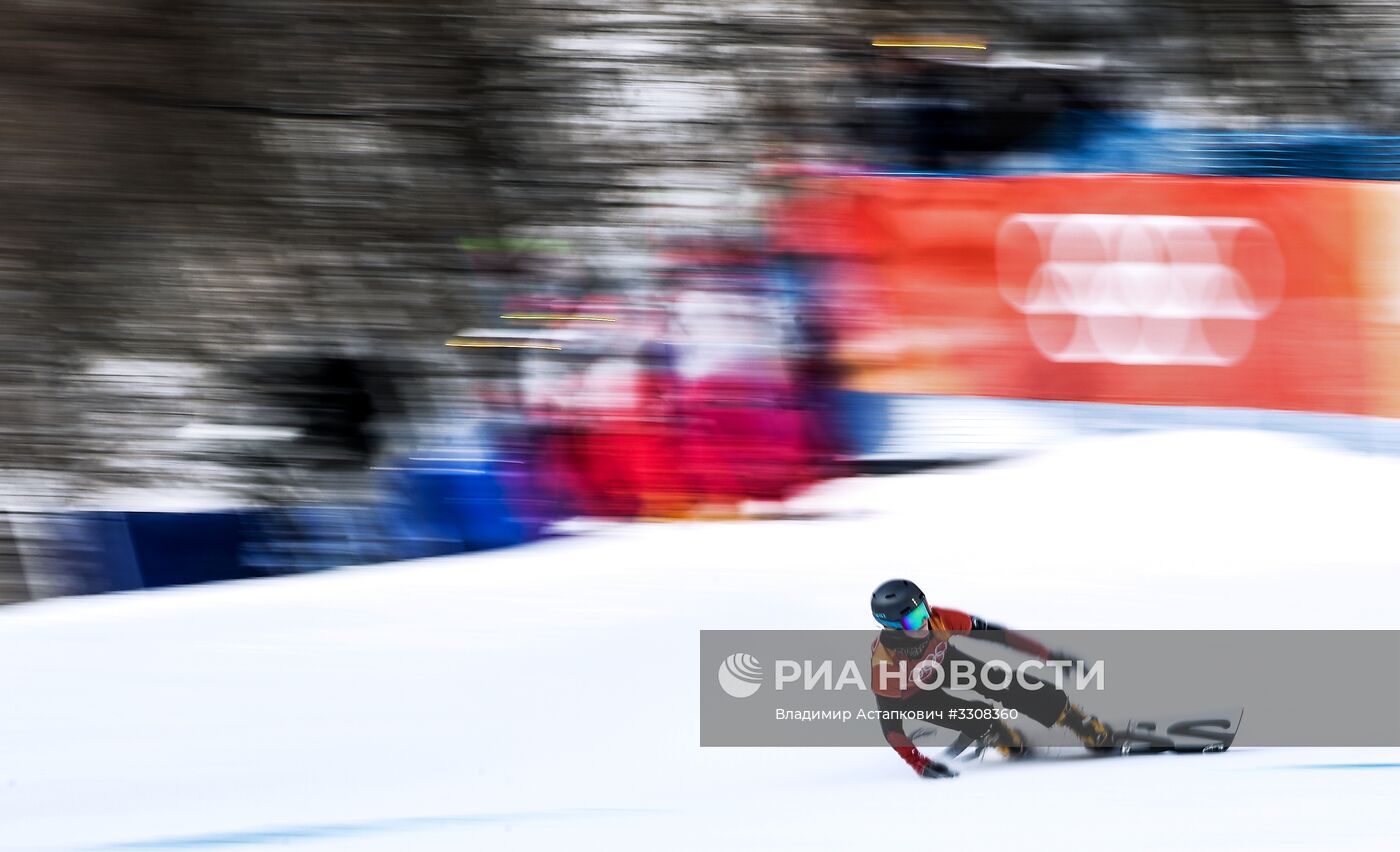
{"x": 1231, "y": 292}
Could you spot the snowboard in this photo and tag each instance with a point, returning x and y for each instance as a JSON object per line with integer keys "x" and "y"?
{"x": 1195, "y": 733}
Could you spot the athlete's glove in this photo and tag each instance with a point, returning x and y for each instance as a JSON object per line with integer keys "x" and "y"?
{"x": 917, "y": 760}
{"x": 923, "y": 765}
{"x": 934, "y": 769}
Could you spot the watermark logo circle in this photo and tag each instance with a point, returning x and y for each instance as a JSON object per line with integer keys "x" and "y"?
{"x": 740, "y": 675}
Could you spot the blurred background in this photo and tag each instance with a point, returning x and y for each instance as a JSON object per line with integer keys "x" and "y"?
{"x": 293, "y": 285}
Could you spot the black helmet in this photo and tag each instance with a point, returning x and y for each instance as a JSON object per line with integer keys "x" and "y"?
{"x": 899, "y": 605}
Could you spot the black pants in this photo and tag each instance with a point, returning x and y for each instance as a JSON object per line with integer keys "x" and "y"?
{"x": 959, "y": 712}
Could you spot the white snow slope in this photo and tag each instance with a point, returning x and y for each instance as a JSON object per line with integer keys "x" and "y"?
{"x": 546, "y": 697}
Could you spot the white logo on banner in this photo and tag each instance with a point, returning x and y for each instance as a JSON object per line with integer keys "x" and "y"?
{"x": 1140, "y": 289}
{"x": 740, "y": 675}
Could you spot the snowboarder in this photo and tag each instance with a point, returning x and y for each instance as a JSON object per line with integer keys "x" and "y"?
{"x": 916, "y": 637}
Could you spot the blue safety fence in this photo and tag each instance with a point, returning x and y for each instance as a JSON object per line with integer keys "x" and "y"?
{"x": 1093, "y": 142}
{"x": 439, "y": 506}
{"x": 297, "y": 539}
{"x": 121, "y": 551}
{"x": 423, "y": 508}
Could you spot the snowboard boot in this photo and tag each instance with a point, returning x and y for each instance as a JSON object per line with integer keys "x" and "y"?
{"x": 1095, "y": 735}
{"x": 1006, "y": 740}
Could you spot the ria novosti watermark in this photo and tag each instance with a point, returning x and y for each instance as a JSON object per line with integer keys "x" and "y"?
{"x": 740, "y": 675}
{"x": 1295, "y": 687}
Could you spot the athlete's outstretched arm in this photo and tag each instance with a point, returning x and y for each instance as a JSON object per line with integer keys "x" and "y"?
{"x": 893, "y": 728}
{"x": 1011, "y": 639}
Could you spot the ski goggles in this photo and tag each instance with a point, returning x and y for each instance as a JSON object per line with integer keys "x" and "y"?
{"x": 911, "y": 620}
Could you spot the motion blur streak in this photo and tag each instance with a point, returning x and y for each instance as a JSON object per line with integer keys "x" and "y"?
{"x": 917, "y": 42}
{"x": 499, "y": 344}
{"x": 557, "y": 317}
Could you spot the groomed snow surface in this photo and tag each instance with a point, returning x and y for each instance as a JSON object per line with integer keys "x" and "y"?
{"x": 546, "y": 697}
